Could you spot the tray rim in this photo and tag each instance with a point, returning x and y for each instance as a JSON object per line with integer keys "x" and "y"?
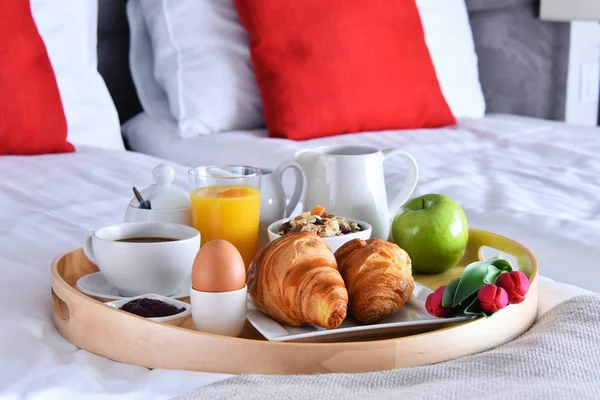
{"x": 60, "y": 286}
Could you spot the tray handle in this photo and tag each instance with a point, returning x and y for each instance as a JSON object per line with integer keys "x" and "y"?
{"x": 477, "y": 243}
{"x": 60, "y": 308}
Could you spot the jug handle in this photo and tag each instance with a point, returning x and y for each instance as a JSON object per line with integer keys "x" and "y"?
{"x": 410, "y": 183}
{"x": 298, "y": 189}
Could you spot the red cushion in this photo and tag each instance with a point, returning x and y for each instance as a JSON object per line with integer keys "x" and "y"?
{"x": 32, "y": 120}
{"x": 329, "y": 67}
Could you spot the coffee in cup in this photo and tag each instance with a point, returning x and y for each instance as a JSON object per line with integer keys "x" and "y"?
{"x": 144, "y": 239}
{"x": 144, "y": 257}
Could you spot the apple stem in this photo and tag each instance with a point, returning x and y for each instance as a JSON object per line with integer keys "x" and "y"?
{"x": 423, "y": 204}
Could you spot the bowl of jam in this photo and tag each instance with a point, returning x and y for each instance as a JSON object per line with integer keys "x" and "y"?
{"x": 155, "y": 308}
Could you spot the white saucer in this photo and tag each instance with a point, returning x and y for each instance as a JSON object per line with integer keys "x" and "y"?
{"x": 96, "y": 285}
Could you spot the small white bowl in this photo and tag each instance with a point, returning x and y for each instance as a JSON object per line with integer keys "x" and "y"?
{"x": 334, "y": 242}
{"x": 176, "y": 319}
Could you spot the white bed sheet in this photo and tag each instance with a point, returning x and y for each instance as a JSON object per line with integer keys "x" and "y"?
{"x": 536, "y": 182}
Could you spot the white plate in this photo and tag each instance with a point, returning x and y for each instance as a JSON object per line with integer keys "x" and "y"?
{"x": 96, "y": 285}
{"x": 412, "y": 318}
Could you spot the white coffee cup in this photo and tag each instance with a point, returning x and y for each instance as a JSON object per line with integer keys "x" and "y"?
{"x": 137, "y": 268}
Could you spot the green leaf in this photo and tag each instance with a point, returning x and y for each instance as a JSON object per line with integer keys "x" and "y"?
{"x": 471, "y": 305}
{"x": 475, "y": 276}
{"x": 449, "y": 293}
{"x": 496, "y": 268}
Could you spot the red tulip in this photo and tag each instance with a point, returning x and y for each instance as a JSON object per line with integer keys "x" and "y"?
{"x": 433, "y": 304}
{"x": 492, "y": 298}
{"x": 516, "y": 285}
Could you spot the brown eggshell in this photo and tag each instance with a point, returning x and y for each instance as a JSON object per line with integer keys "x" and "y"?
{"x": 218, "y": 267}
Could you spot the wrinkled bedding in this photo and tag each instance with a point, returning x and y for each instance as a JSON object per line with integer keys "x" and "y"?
{"x": 556, "y": 359}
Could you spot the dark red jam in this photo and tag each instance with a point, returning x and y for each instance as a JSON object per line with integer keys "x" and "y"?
{"x": 151, "y": 308}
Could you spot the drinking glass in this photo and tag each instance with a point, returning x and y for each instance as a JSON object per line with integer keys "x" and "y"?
{"x": 225, "y": 202}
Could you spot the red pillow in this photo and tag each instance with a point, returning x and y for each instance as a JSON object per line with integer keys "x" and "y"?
{"x": 32, "y": 120}
{"x": 330, "y": 67}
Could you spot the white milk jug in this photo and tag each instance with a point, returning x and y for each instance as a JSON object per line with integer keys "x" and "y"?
{"x": 349, "y": 181}
{"x": 273, "y": 199}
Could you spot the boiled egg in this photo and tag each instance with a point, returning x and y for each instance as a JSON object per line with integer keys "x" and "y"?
{"x": 218, "y": 267}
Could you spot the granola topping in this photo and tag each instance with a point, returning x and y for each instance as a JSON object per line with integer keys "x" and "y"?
{"x": 321, "y": 223}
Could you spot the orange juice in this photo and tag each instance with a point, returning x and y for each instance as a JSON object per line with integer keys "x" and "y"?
{"x": 229, "y": 213}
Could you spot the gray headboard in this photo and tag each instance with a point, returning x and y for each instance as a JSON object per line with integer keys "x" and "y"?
{"x": 522, "y": 60}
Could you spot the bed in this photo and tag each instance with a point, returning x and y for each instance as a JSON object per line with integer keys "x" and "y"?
{"x": 534, "y": 180}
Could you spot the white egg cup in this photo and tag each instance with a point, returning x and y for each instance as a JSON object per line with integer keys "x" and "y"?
{"x": 219, "y": 313}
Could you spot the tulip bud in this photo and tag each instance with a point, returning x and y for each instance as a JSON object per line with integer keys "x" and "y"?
{"x": 492, "y": 298}
{"x": 433, "y": 304}
{"x": 516, "y": 285}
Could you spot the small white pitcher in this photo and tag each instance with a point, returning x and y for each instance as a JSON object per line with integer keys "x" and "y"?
{"x": 349, "y": 181}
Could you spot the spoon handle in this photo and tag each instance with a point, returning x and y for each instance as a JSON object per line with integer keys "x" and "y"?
{"x": 140, "y": 199}
{"x": 138, "y": 195}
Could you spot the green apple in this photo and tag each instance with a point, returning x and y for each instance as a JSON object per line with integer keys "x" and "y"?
{"x": 433, "y": 230}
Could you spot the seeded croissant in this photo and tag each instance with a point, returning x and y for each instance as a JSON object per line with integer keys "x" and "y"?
{"x": 295, "y": 280}
{"x": 378, "y": 277}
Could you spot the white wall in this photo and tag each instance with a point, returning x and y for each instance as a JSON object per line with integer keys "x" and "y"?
{"x": 568, "y": 10}
{"x": 584, "y": 74}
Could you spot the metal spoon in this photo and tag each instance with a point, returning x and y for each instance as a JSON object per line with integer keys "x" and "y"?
{"x": 145, "y": 204}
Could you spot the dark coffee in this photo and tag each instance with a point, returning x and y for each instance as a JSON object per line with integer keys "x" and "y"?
{"x": 147, "y": 239}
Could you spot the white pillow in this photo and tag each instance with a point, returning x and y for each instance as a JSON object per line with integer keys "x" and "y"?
{"x": 152, "y": 96}
{"x": 450, "y": 42}
{"x": 200, "y": 59}
{"x": 69, "y": 31}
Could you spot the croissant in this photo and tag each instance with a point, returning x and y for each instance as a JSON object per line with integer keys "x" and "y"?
{"x": 295, "y": 280}
{"x": 378, "y": 276}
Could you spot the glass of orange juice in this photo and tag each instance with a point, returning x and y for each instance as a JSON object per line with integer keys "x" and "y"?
{"x": 225, "y": 202}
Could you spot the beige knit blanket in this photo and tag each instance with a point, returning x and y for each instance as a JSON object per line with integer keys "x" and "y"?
{"x": 558, "y": 358}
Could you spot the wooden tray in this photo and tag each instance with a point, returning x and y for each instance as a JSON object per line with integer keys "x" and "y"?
{"x": 124, "y": 337}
